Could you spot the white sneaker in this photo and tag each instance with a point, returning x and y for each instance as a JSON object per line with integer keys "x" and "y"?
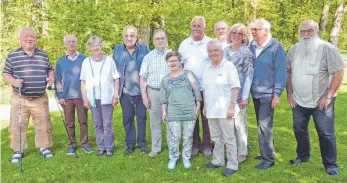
{"x": 172, "y": 164}
{"x": 186, "y": 164}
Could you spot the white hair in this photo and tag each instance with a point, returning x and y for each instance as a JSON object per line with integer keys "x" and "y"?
{"x": 310, "y": 23}
{"x": 93, "y": 40}
{"x": 201, "y": 18}
{"x": 263, "y": 23}
{"x": 221, "y": 22}
{"x": 130, "y": 27}
{"x": 217, "y": 43}
{"x": 22, "y": 30}
{"x": 66, "y": 36}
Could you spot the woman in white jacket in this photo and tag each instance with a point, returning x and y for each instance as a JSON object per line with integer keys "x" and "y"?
{"x": 99, "y": 85}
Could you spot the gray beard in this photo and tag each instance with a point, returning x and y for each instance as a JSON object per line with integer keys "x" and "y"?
{"x": 307, "y": 45}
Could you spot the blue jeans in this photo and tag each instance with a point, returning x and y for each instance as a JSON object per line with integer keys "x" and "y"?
{"x": 324, "y": 123}
{"x": 132, "y": 105}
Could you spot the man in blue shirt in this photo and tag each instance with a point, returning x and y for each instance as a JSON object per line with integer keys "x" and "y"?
{"x": 268, "y": 84}
{"x": 128, "y": 57}
{"x": 68, "y": 85}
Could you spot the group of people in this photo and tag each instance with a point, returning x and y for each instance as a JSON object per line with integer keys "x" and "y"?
{"x": 210, "y": 78}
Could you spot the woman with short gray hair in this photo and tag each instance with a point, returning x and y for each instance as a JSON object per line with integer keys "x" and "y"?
{"x": 99, "y": 86}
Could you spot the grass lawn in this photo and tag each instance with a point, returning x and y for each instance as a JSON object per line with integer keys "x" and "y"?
{"x": 139, "y": 168}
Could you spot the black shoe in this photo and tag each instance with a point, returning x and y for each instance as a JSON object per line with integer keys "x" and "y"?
{"x": 211, "y": 165}
{"x": 332, "y": 171}
{"x": 128, "y": 151}
{"x": 297, "y": 161}
{"x": 265, "y": 165}
{"x": 258, "y": 158}
{"x": 227, "y": 172}
{"x": 144, "y": 149}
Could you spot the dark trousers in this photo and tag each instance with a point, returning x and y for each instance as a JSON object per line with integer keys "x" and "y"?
{"x": 131, "y": 106}
{"x": 264, "y": 114}
{"x": 324, "y": 123}
{"x": 69, "y": 113}
{"x": 206, "y": 138}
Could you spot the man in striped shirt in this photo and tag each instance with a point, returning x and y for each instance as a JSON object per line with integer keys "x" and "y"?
{"x": 153, "y": 69}
{"x": 28, "y": 70}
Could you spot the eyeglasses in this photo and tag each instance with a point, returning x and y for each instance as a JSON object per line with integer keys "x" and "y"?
{"x": 237, "y": 33}
{"x": 255, "y": 29}
{"x": 172, "y": 61}
{"x": 308, "y": 31}
{"x": 159, "y": 38}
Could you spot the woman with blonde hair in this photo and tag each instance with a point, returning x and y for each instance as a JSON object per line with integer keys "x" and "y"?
{"x": 239, "y": 54}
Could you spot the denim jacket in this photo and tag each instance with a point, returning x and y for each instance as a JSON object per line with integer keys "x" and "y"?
{"x": 120, "y": 54}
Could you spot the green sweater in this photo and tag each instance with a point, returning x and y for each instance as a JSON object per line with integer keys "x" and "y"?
{"x": 180, "y": 94}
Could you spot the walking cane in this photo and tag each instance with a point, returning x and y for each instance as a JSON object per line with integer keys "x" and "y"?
{"x": 61, "y": 115}
{"x": 20, "y": 129}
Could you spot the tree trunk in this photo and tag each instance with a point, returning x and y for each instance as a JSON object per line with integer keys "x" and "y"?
{"x": 334, "y": 33}
{"x": 254, "y": 5}
{"x": 324, "y": 16}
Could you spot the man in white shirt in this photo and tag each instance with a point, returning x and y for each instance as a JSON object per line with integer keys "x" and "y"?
{"x": 194, "y": 55}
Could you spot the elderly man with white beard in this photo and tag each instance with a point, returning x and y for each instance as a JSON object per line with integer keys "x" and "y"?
{"x": 315, "y": 72}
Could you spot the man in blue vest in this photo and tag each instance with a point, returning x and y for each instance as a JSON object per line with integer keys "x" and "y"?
{"x": 128, "y": 57}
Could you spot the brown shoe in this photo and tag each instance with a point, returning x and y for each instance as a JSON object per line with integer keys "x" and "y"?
{"x": 241, "y": 158}
{"x": 195, "y": 151}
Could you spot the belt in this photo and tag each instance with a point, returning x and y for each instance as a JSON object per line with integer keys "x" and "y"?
{"x": 30, "y": 98}
{"x": 157, "y": 89}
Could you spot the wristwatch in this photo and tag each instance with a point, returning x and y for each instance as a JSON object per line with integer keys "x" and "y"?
{"x": 233, "y": 102}
{"x": 116, "y": 96}
{"x": 329, "y": 96}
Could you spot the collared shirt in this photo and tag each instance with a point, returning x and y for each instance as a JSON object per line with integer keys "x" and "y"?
{"x": 243, "y": 61}
{"x": 224, "y": 43}
{"x": 132, "y": 77}
{"x": 67, "y": 77}
{"x": 32, "y": 69}
{"x": 194, "y": 56}
{"x": 259, "y": 49}
{"x": 99, "y": 78}
{"x": 311, "y": 73}
{"x": 74, "y": 57}
{"x": 154, "y": 67}
{"x": 217, "y": 83}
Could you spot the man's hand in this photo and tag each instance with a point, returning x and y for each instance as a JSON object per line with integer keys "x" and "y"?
{"x": 275, "y": 102}
{"x": 231, "y": 111}
{"x": 243, "y": 103}
{"x": 18, "y": 83}
{"x": 323, "y": 103}
{"x": 50, "y": 79}
{"x": 290, "y": 99}
{"x": 86, "y": 104}
{"x": 204, "y": 111}
{"x": 115, "y": 101}
{"x": 164, "y": 116}
{"x": 146, "y": 102}
{"x": 62, "y": 102}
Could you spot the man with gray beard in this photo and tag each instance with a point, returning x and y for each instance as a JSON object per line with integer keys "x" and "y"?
{"x": 315, "y": 72}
